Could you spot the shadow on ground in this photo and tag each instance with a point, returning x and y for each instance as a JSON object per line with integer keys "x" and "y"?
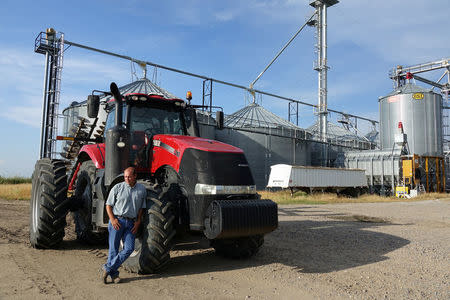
{"x": 340, "y": 243}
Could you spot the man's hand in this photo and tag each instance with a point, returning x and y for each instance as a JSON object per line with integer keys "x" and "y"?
{"x": 115, "y": 223}
{"x": 135, "y": 227}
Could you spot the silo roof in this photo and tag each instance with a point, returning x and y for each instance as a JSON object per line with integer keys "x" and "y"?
{"x": 408, "y": 88}
{"x": 256, "y": 116}
{"x": 143, "y": 86}
{"x": 334, "y": 130}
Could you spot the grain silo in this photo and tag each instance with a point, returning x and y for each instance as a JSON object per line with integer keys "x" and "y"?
{"x": 266, "y": 140}
{"x": 420, "y": 112}
{"x": 410, "y": 134}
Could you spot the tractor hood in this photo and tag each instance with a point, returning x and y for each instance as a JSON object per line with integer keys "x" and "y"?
{"x": 181, "y": 142}
{"x": 169, "y": 149}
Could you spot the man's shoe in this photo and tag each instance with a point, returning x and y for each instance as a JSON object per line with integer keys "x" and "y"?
{"x": 116, "y": 279}
{"x": 104, "y": 276}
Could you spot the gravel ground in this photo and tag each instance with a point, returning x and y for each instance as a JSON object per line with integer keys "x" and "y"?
{"x": 341, "y": 251}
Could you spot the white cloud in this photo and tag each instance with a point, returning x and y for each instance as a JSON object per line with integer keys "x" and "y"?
{"x": 411, "y": 32}
{"x": 225, "y": 16}
{"x": 21, "y": 81}
{"x": 29, "y": 115}
{"x": 94, "y": 70}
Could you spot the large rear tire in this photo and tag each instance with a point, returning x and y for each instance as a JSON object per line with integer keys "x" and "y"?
{"x": 154, "y": 240}
{"x": 83, "y": 201}
{"x": 242, "y": 247}
{"x": 49, "y": 203}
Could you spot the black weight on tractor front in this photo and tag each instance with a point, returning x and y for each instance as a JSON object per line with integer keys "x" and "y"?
{"x": 49, "y": 203}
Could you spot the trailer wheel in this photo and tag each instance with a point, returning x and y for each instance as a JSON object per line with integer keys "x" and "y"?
{"x": 154, "y": 239}
{"x": 49, "y": 203}
{"x": 83, "y": 201}
{"x": 242, "y": 247}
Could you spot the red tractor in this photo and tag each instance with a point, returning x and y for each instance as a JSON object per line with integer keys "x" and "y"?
{"x": 194, "y": 185}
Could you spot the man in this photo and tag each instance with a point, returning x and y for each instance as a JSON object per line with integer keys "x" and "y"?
{"x": 125, "y": 207}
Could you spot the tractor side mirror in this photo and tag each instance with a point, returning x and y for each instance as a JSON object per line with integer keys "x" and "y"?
{"x": 93, "y": 104}
{"x": 219, "y": 119}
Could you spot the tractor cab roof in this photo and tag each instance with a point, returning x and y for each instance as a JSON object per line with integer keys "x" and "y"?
{"x": 142, "y": 99}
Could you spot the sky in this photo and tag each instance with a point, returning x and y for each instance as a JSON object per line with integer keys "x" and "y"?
{"x": 227, "y": 40}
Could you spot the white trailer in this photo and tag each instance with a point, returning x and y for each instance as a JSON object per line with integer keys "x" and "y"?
{"x": 311, "y": 178}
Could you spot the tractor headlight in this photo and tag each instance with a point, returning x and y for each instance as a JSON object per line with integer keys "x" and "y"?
{"x": 208, "y": 189}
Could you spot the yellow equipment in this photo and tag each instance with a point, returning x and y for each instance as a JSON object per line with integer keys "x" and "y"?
{"x": 401, "y": 191}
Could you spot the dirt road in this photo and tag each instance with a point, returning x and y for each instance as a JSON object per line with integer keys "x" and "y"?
{"x": 363, "y": 251}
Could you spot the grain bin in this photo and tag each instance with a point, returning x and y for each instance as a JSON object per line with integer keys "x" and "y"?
{"x": 266, "y": 139}
{"x": 420, "y": 111}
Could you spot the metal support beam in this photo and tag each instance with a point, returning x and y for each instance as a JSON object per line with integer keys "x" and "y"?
{"x": 430, "y": 82}
{"x": 207, "y": 92}
{"x": 293, "y": 111}
{"x": 420, "y": 68}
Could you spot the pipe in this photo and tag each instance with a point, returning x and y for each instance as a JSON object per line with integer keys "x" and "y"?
{"x": 118, "y": 103}
{"x": 44, "y": 110}
{"x": 281, "y": 51}
{"x": 207, "y": 78}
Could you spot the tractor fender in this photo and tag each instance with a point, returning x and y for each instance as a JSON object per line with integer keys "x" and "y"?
{"x": 95, "y": 152}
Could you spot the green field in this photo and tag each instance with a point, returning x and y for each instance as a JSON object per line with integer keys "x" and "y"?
{"x": 14, "y": 180}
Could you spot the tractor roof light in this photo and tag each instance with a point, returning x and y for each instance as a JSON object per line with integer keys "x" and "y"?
{"x": 189, "y": 95}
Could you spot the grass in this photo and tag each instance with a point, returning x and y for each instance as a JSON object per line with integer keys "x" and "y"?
{"x": 14, "y": 180}
{"x": 20, "y": 191}
{"x": 284, "y": 197}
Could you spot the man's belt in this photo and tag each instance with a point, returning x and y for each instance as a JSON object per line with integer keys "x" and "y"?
{"x": 126, "y": 218}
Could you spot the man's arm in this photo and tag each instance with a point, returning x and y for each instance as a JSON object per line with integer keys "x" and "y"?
{"x": 114, "y": 222}
{"x": 137, "y": 223}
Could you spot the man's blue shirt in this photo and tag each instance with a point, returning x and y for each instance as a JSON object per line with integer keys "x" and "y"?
{"x": 126, "y": 200}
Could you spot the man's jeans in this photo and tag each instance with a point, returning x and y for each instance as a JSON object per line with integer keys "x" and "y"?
{"x": 116, "y": 258}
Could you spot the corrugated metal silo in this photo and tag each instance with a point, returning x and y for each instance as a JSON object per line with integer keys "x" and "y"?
{"x": 266, "y": 140}
{"x": 420, "y": 112}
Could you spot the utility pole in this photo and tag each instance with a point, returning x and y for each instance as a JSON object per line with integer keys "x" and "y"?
{"x": 321, "y": 67}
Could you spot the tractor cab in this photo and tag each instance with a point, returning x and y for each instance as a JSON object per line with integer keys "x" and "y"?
{"x": 146, "y": 116}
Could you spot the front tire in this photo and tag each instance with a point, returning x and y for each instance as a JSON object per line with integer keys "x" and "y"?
{"x": 49, "y": 203}
{"x": 154, "y": 240}
{"x": 242, "y": 247}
